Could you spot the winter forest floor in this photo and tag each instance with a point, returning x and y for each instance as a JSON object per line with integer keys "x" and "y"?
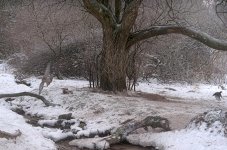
{"x": 103, "y": 111}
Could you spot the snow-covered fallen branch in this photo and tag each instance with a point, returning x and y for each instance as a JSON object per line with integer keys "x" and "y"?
{"x": 119, "y": 134}
{"x": 46, "y": 102}
{"x": 90, "y": 143}
{"x": 7, "y": 135}
{"x": 206, "y": 131}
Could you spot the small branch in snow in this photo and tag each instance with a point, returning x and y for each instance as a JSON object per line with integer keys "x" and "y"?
{"x": 46, "y": 102}
{"x": 23, "y": 82}
{"x": 7, "y": 135}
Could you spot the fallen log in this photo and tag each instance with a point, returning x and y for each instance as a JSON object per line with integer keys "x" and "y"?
{"x": 46, "y": 102}
{"x": 119, "y": 134}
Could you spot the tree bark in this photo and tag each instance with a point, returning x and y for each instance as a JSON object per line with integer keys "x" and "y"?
{"x": 46, "y": 102}
{"x": 113, "y": 60}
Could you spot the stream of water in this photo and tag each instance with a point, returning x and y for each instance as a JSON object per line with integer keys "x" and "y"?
{"x": 65, "y": 146}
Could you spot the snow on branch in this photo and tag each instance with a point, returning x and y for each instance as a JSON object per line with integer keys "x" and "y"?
{"x": 46, "y": 102}
{"x": 7, "y": 135}
{"x": 153, "y": 121}
{"x": 119, "y": 134}
{"x": 163, "y": 30}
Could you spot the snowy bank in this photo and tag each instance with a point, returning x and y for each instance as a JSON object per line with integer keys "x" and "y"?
{"x": 29, "y": 139}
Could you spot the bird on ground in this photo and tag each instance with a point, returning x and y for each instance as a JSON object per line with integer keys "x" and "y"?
{"x": 218, "y": 95}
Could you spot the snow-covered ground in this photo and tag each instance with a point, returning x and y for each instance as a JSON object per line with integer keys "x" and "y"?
{"x": 181, "y": 140}
{"x": 30, "y": 138}
{"x": 103, "y": 111}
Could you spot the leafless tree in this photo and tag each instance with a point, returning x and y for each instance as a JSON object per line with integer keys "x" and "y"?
{"x": 117, "y": 19}
{"x": 123, "y": 25}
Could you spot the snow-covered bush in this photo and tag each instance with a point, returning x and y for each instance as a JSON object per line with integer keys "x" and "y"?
{"x": 214, "y": 121}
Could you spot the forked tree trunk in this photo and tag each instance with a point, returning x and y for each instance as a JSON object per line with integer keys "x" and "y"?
{"x": 117, "y": 21}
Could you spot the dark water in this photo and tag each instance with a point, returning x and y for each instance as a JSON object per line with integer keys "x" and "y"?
{"x": 129, "y": 147}
{"x": 65, "y": 146}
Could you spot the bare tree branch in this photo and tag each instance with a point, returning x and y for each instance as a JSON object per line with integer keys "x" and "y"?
{"x": 100, "y": 11}
{"x": 118, "y": 5}
{"x": 46, "y": 102}
{"x": 221, "y": 12}
{"x": 163, "y": 30}
{"x": 8, "y": 135}
{"x": 130, "y": 14}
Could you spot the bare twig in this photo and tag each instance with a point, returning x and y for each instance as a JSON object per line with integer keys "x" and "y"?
{"x": 7, "y": 135}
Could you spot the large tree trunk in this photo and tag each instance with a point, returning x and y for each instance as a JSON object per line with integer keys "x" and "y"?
{"x": 107, "y": 84}
{"x": 113, "y": 73}
{"x": 116, "y": 27}
{"x": 114, "y": 59}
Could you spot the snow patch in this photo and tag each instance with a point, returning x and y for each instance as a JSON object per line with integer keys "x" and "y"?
{"x": 183, "y": 139}
{"x": 47, "y": 122}
{"x": 90, "y": 143}
{"x": 56, "y": 134}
